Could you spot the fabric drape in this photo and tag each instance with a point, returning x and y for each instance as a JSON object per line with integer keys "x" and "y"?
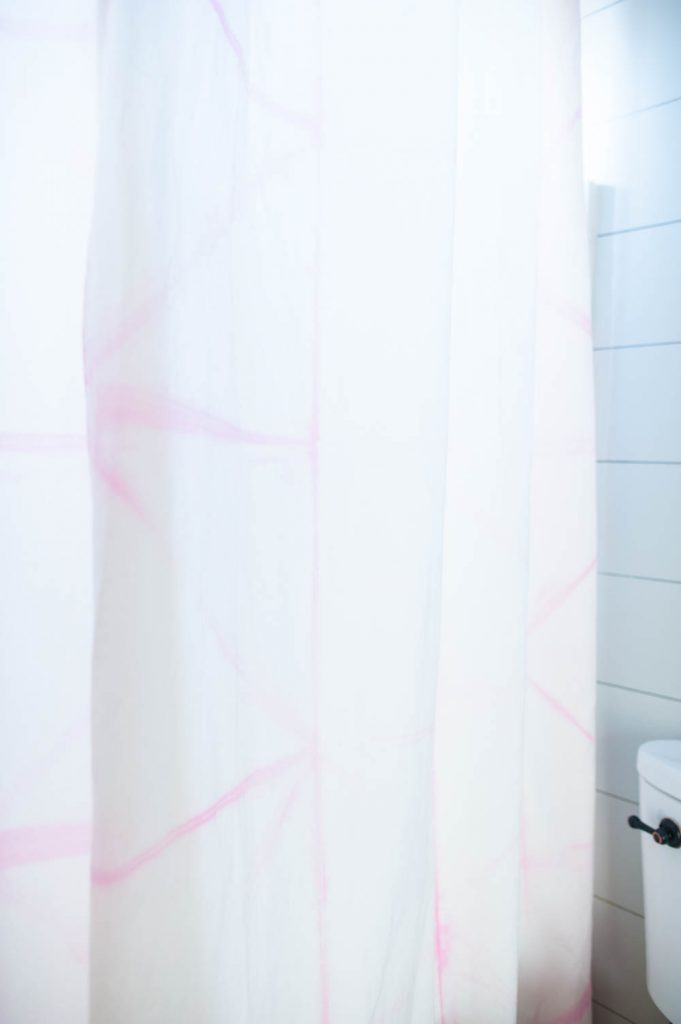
{"x": 337, "y": 375}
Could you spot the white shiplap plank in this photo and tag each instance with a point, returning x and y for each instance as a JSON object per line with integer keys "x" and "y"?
{"x": 632, "y": 113}
{"x": 617, "y": 860}
{"x": 638, "y": 402}
{"x": 625, "y": 720}
{"x": 619, "y": 964}
{"x": 639, "y": 520}
{"x": 637, "y": 284}
{"x": 639, "y": 634}
{"x": 630, "y": 53}
{"x": 638, "y": 158}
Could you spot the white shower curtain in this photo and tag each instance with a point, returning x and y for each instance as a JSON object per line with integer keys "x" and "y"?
{"x": 339, "y": 426}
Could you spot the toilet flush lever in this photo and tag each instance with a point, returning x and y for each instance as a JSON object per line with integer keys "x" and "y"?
{"x": 667, "y": 832}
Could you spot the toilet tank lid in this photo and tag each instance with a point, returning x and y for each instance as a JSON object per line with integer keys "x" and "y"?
{"x": 659, "y": 763}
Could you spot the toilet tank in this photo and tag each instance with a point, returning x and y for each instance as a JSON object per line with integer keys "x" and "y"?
{"x": 659, "y": 769}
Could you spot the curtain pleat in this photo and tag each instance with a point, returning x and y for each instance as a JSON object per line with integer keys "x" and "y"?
{"x": 340, "y": 444}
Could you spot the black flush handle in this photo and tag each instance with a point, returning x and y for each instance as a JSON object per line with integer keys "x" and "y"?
{"x": 667, "y": 832}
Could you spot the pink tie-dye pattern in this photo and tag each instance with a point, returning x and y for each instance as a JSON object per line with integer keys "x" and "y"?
{"x": 273, "y": 835}
{"x": 103, "y": 876}
{"x": 266, "y": 697}
{"x": 140, "y": 410}
{"x": 33, "y": 844}
{"x": 97, "y": 352}
{"x": 560, "y": 709}
{"x": 115, "y": 481}
{"x": 139, "y": 317}
{"x": 555, "y": 600}
{"x": 576, "y": 1013}
{"x": 160, "y": 413}
{"x": 120, "y": 407}
{"x": 309, "y": 122}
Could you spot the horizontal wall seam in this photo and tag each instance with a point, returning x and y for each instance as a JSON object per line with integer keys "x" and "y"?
{"x": 598, "y": 121}
{"x": 638, "y": 462}
{"x": 618, "y": 906}
{"x": 615, "y": 796}
{"x": 603, "y": 1006}
{"x": 639, "y": 227}
{"x": 645, "y": 579}
{"x": 635, "y": 689}
{"x": 637, "y": 345}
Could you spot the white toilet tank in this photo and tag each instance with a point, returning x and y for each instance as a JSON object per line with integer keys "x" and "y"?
{"x": 659, "y": 769}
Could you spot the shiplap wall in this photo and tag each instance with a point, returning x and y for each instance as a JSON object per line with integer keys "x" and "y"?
{"x": 632, "y": 114}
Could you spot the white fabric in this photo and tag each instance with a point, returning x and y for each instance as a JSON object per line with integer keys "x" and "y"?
{"x": 337, "y": 373}
{"x": 47, "y": 112}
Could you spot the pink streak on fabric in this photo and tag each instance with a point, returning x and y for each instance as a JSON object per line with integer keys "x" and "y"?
{"x": 117, "y": 484}
{"x": 156, "y": 299}
{"x": 322, "y": 890}
{"x": 105, "y": 473}
{"x": 37, "y": 843}
{"x": 442, "y": 942}
{"x": 269, "y": 700}
{"x": 273, "y": 835}
{"x": 556, "y": 600}
{"x": 266, "y": 698}
{"x": 42, "y": 444}
{"x": 138, "y": 318}
{"x": 268, "y": 103}
{"x": 231, "y": 38}
{"x": 120, "y": 406}
{"x": 577, "y": 1012}
{"x": 261, "y": 776}
{"x": 96, "y": 355}
{"x": 561, "y": 710}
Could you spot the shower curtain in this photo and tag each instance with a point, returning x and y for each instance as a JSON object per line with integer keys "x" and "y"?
{"x": 333, "y": 667}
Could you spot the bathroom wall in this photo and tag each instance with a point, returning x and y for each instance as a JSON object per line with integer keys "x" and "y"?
{"x": 632, "y": 116}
